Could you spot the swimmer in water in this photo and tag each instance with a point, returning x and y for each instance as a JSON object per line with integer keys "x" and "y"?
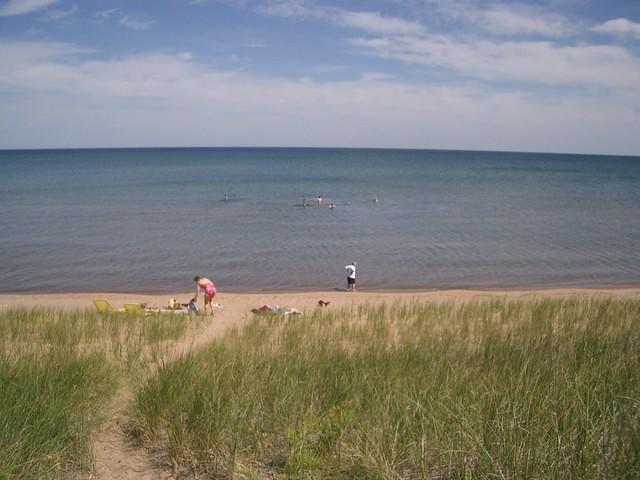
{"x": 226, "y": 197}
{"x": 305, "y": 204}
{"x": 319, "y": 200}
{"x": 375, "y": 200}
{"x": 332, "y": 205}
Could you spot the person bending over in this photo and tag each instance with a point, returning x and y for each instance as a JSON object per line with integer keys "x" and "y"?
{"x": 209, "y": 290}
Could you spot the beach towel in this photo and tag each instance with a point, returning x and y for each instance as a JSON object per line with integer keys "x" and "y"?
{"x": 275, "y": 309}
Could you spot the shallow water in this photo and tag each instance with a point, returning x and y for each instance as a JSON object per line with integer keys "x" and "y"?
{"x": 150, "y": 219}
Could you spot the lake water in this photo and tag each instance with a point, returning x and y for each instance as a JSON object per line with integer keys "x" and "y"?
{"x": 148, "y": 220}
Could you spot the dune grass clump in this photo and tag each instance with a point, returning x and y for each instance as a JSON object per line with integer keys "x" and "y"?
{"x": 495, "y": 389}
{"x": 58, "y": 369}
{"x": 48, "y": 405}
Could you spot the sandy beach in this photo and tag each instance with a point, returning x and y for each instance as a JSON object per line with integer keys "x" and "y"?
{"x": 236, "y": 306}
{"x": 234, "y": 309}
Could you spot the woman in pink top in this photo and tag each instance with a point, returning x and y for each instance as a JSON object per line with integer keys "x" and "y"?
{"x": 209, "y": 291}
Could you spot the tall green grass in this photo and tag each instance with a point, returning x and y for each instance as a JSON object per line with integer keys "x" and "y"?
{"x": 58, "y": 369}
{"x": 496, "y": 389}
{"x": 48, "y": 405}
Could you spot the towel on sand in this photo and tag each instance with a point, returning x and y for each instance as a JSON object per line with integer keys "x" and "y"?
{"x": 276, "y": 309}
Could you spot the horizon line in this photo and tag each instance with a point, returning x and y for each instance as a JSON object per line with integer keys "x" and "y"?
{"x": 258, "y": 147}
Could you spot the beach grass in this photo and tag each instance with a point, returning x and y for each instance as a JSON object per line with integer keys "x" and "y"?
{"x": 58, "y": 369}
{"x": 540, "y": 388}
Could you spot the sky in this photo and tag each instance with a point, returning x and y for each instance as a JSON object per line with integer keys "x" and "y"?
{"x": 543, "y": 76}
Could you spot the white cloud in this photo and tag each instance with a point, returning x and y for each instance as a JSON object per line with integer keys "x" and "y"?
{"x": 123, "y": 19}
{"x": 496, "y": 18}
{"x": 106, "y": 14}
{"x": 55, "y": 15}
{"x": 20, "y": 7}
{"x": 534, "y": 62}
{"x": 376, "y": 77}
{"x": 518, "y": 20}
{"x": 619, "y": 27}
{"x": 24, "y": 55}
{"x": 127, "y": 21}
{"x": 160, "y": 100}
{"x": 290, "y": 8}
{"x": 372, "y": 22}
{"x": 376, "y": 23}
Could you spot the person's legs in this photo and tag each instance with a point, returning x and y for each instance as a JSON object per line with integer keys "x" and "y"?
{"x": 207, "y": 301}
{"x": 351, "y": 283}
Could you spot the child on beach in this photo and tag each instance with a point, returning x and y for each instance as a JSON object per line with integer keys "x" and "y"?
{"x": 209, "y": 291}
{"x": 351, "y": 276}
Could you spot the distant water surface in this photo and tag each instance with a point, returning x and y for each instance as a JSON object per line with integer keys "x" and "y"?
{"x": 148, "y": 220}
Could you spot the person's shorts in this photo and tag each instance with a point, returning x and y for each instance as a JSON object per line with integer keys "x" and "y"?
{"x": 351, "y": 281}
{"x": 210, "y": 293}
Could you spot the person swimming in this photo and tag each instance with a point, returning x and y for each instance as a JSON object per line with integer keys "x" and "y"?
{"x": 332, "y": 205}
{"x": 319, "y": 200}
{"x": 305, "y": 204}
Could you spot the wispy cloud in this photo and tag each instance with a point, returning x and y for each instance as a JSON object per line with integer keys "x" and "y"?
{"x": 508, "y": 42}
{"x": 123, "y": 19}
{"x": 376, "y": 77}
{"x": 129, "y": 22}
{"x": 517, "y": 19}
{"x": 620, "y": 27}
{"x": 498, "y": 18}
{"x": 374, "y": 22}
{"x": 55, "y": 15}
{"x": 21, "y": 55}
{"x": 200, "y": 105}
{"x": 107, "y": 14}
{"x": 20, "y": 7}
{"x": 291, "y": 8}
{"x": 328, "y": 68}
{"x": 512, "y": 42}
{"x": 534, "y": 62}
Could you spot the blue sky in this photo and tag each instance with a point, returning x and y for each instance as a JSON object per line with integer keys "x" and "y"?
{"x": 553, "y": 76}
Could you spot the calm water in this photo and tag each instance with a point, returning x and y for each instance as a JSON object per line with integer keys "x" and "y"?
{"x": 149, "y": 220}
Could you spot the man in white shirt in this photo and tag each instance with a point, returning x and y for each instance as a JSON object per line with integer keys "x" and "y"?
{"x": 351, "y": 276}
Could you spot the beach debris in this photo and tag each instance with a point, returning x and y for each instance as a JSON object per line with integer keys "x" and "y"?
{"x": 275, "y": 309}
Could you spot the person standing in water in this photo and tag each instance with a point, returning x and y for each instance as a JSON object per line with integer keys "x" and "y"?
{"x": 351, "y": 276}
{"x": 209, "y": 291}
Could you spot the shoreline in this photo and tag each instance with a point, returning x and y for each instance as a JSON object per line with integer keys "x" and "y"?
{"x": 366, "y": 289}
{"x": 238, "y": 302}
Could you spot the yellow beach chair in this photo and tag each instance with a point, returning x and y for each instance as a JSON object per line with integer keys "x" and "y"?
{"x": 103, "y": 306}
{"x": 135, "y": 309}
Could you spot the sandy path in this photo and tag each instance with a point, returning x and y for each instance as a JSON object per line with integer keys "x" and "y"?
{"x": 115, "y": 455}
{"x": 116, "y": 458}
